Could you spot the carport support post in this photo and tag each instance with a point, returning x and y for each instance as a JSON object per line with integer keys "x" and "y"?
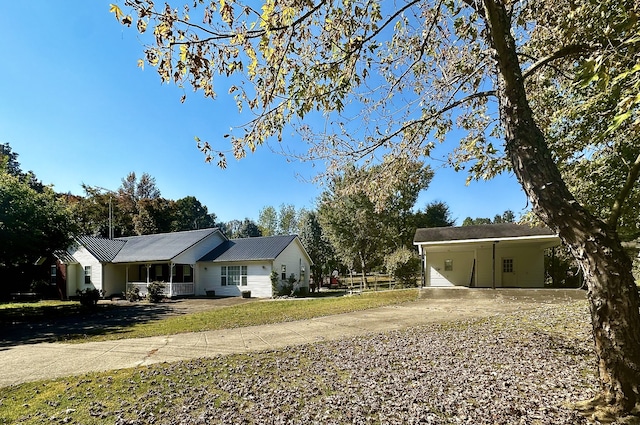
{"x": 423, "y": 268}
{"x": 493, "y": 280}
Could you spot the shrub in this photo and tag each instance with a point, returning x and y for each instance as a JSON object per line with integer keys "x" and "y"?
{"x": 39, "y": 286}
{"x": 302, "y": 291}
{"x": 404, "y": 266}
{"x": 274, "y": 283}
{"x": 133, "y": 294}
{"x": 89, "y": 297}
{"x": 155, "y": 292}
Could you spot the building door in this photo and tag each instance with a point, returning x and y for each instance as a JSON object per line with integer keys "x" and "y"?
{"x": 437, "y": 279}
{"x": 509, "y": 279}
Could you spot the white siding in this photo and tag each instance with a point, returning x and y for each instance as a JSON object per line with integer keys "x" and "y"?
{"x": 85, "y": 258}
{"x": 484, "y": 268}
{"x": 528, "y": 260}
{"x": 295, "y": 260}
{"x": 199, "y": 250}
{"x": 72, "y": 278}
{"x": 258, "y": 281}
{"x": 114, "y": 280}
{"x": 459, "y": 275}
{"x": 528, "y": 266}
{"x": 258, "y": 273}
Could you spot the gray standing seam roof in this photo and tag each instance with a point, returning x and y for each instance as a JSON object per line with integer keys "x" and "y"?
{"x": 159, "y": 247}
{"x": 64, "y": 257}
{"x": 103, "y": 249}
{"x": 249, "y": 249}
{"x": 485, "y": 231}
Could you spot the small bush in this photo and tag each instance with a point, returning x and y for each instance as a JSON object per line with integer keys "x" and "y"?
{"x": 133, "y": 294}
{"x": 39, "y": 286}
{"x": 302, "y": 291}
{"x": 274, "y": 283}
{"x": 404, "y": 265}
{"x": 155, "y": 292}
{"x": 89, "y": 297}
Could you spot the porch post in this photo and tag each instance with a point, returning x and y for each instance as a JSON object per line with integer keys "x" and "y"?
{"x": 171, "y": 266}
{"x": 193, "y": 277}
{"x": 147, "y": 266}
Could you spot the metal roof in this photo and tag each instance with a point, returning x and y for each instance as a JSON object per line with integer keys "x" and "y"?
{"x": 249, "y": 249}
{"x": 480, "y": 232}
{"x": 159, "y": 247}
{"x": 103, "y": 249}
{"x": 64, "y": 257}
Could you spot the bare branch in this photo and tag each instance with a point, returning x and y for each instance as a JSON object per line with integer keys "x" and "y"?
{"x": 422, "y": 121}
{"x": 215, "y": 36}
{"x": 564, "y": 52}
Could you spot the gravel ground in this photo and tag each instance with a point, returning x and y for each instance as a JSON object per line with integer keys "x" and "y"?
{"x": 522, "y": 368}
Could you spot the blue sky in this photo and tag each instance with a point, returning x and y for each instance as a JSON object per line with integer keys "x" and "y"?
{"x": 76, "y": 109}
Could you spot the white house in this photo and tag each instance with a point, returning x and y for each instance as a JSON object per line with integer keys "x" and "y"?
{"x": 188, "y": 263}
{"x": 487, "y": 256}
{"x": 245, "y": 265}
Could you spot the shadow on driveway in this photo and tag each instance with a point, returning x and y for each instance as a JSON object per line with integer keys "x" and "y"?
{"x": 71, "y": 321}
{"x": 60, "y": 322}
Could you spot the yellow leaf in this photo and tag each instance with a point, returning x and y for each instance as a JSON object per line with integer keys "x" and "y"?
{"x": 115, "y": 9}
{"x": 183, "y": 52}
{"x": 141, "y": 63}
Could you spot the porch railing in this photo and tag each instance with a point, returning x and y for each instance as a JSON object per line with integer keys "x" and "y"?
{"x": 174, "y": 289}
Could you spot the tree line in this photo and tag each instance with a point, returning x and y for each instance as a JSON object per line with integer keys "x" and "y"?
{"x": 348, "y": 230}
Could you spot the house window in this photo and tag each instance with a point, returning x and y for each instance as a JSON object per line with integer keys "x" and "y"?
{"x": 448, "y": 265}
{"x": 54, "y": 274}
{"x": 507, "y": 265}
{"x": 186, "y": 272}
{"x": 158, "y": 272}
{"x": 233, "y": 275}
{"x": 284, "y": 272}
{"x": 87, "y": 275}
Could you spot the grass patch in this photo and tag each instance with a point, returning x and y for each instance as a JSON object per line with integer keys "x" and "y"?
{"x": 28, "y": 311}
{"x": 251, "y": 314}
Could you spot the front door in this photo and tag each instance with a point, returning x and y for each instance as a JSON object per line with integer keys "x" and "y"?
{"x": 509, "y": 279}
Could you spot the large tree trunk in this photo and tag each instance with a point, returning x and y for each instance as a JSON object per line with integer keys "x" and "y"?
{"x": 612, "y": 294}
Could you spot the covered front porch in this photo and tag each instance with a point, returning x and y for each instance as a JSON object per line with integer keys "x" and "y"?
{"x": 176, "y": 279}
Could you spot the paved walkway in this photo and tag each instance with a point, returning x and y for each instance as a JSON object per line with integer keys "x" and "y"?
{"x": 31, "y": 362}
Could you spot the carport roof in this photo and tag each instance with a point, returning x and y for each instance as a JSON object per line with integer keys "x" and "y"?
{"x": 497, "y": 232}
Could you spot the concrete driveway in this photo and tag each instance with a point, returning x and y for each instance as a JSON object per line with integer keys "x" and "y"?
{"x": 24, "y": 362}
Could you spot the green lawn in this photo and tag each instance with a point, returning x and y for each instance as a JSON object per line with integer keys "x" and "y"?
{"x": 37, "y": 310}
{"x": 255, "y": 313}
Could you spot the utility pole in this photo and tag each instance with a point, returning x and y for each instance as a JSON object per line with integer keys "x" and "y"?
{"x": 111, "y": 192}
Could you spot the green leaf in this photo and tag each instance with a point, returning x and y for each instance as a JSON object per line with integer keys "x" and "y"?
{"x": 618, "y": 120}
